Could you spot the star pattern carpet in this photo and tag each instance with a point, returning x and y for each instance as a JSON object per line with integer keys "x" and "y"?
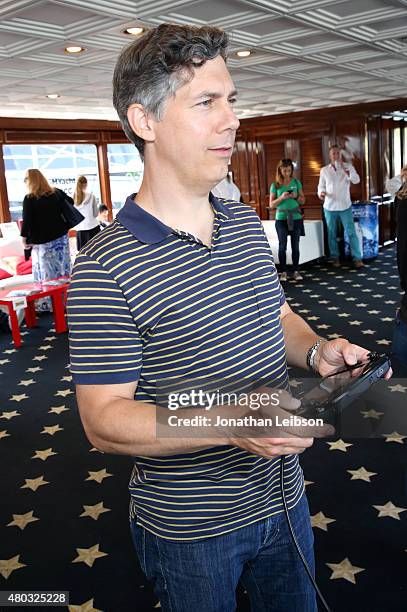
{"x": 64, "y": 508}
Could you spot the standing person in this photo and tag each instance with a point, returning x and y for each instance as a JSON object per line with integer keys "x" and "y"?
{"x": 285, "y": 195}
{"x": 227, "y": 189}
{"x": 44, "y": 230}
{"x": 187, "y": 289}
{"x": 334, "y": 190}
{"x": 88, "y": 206}
{"x": 400, "y": 332}
{"x": 103, "y": 216}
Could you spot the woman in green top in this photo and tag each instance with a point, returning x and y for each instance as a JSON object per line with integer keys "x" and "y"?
{"x": 286, "y": 195}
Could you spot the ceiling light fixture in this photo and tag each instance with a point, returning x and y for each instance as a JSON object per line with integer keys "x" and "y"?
{"x": 135, "y": 31}
{"x": 243, "y": 53}
{"x": 53, "y": 96}
{"x": 74, "y": 49}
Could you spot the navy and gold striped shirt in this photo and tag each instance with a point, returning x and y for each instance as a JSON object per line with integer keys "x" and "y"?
{"x": 148, "y": 302}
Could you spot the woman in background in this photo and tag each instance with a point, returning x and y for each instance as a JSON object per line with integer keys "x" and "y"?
{"x": 45, "y": 230}
{"x": 87, "y": 205}
{"x": 285, "y": 195}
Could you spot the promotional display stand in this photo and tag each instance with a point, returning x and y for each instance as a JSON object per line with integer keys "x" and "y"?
{"x": 365, "y": 215}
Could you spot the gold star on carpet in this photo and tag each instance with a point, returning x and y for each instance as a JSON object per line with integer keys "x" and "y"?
{"x": 43, "y": 454}
{"x": 10, "y": 351}
{"x": 333, "y": 336}
{"x": 321, "y": 521}
{"x": 375, "y": 312}
{"x": 355, "y": 322}
{"x": 18, "y": 398}
{"x": 64, "y": 393}
{"x": 33, "y": 370}
{"x": 4, "y": 434}
{"x": 26, "y": 383}
{"x": 52, "y": 430}
{"x": 394, "y": 436}
{"x": 88, "y": 555}
{"x": 308, "y": 482}
{"x": 345, "y": 570}
{"x": 387, "y": 319}
{"x": 397, "y": 388}
{"x": 361, "y": 474}
{"x": 40, "y": 358}
{"x": 9, "y": 415}
{"x": 22, "y": 520}
{"x": 3, "y": 361}
{"x": 66, "y": 378}
{"x": 98, "y": 476}
{"x": 58, "y": 409}
{"x": 7, "y": 566}
{"x": 390, "y": 510}
{"x": 45, "y": 347}
{"x": 323, "y": 326}
{"x": 34, "y": 483}
{"x": 50, "y": 338}
{"x": 371, "y": 414}
{"x": 85, "y": 607}
{"x": 339, "y": 445}
{"x": 313, "y": 318}
{"x": 383, "y": 341}
{"x": 96, "y": 450}
{"x": 94, "y": 511}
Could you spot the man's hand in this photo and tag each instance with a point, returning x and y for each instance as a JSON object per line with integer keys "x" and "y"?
{"x": 278, "y": 439}
{"x": 335, "y": 354}
{"x": 322, "y": 195}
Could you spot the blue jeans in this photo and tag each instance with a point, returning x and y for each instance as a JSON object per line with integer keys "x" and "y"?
{"x": 346, "y": 218}
{"x": 399, "y": 346}
{"x": 282, "y": 233}
{"x": 202, "y": 575}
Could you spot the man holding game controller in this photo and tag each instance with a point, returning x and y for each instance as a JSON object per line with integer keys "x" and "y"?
{"x": 334, "y": 191}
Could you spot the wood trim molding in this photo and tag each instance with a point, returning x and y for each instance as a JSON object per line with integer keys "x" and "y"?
{"x": 4, "y": 205}
{"x": 103, "y": 166}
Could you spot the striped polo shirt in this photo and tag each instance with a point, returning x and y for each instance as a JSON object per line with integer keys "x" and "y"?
{"x": 148, "y": 302}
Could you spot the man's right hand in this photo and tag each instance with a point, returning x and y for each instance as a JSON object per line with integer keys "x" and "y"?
{"x": 279, "y": 439}
{"x": 322, "y": 195}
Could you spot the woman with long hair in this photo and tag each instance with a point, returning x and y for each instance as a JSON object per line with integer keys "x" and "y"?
{"x": 286, "y": 195}
{"x": 88, "y": 206}
{"x": 44, "y": 229}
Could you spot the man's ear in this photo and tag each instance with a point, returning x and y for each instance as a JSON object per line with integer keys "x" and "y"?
{"x": 141, "y": 123}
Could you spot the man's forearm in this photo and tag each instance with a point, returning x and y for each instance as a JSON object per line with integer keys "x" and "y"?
{"x": 298, "y": 337}
{"x": 129, "y": 427}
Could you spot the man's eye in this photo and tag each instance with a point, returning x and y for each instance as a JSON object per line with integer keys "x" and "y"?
{"x": 205, "y": 102}
{"x": 232, "y": 100}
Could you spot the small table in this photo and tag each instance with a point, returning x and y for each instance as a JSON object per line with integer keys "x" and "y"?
{"x": 35, "y": 291}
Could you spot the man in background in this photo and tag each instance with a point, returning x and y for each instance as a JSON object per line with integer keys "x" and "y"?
{"x": 334, "y": 190}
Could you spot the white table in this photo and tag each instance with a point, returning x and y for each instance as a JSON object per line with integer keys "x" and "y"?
{"x": 311, "y": 245}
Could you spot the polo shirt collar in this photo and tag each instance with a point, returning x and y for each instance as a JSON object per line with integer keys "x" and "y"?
{"x": 150, "y": 230}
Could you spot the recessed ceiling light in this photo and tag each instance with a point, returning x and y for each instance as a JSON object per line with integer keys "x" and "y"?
{"x": 74, "y": 49}
{"x": 53, "y": 96}
{"x": 134, "y": 31}
{"x": 244, "y": 53}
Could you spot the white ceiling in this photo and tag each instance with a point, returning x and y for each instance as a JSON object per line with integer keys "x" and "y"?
{"x": 307, "y": 53}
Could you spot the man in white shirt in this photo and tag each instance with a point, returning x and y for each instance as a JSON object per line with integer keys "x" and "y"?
{"x": 334, "y": 190}
{"x": 227, "y": 189}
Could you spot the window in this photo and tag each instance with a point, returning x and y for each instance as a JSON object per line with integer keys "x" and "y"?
{"x": 396, "y": 150}
{"x": 61, "y": 165}
{"x": 126, "y": 172}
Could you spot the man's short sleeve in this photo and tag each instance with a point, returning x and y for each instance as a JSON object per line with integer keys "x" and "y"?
{"x": 105, "y": 344}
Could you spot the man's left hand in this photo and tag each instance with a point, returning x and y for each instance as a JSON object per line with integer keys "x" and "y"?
{"x": 335, "y": 354}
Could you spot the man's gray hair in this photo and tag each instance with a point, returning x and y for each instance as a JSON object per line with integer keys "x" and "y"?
{"x": 152, "y": 68}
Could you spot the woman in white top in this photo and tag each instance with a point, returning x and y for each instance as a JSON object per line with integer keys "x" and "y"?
{"x": 88, "y": 206}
